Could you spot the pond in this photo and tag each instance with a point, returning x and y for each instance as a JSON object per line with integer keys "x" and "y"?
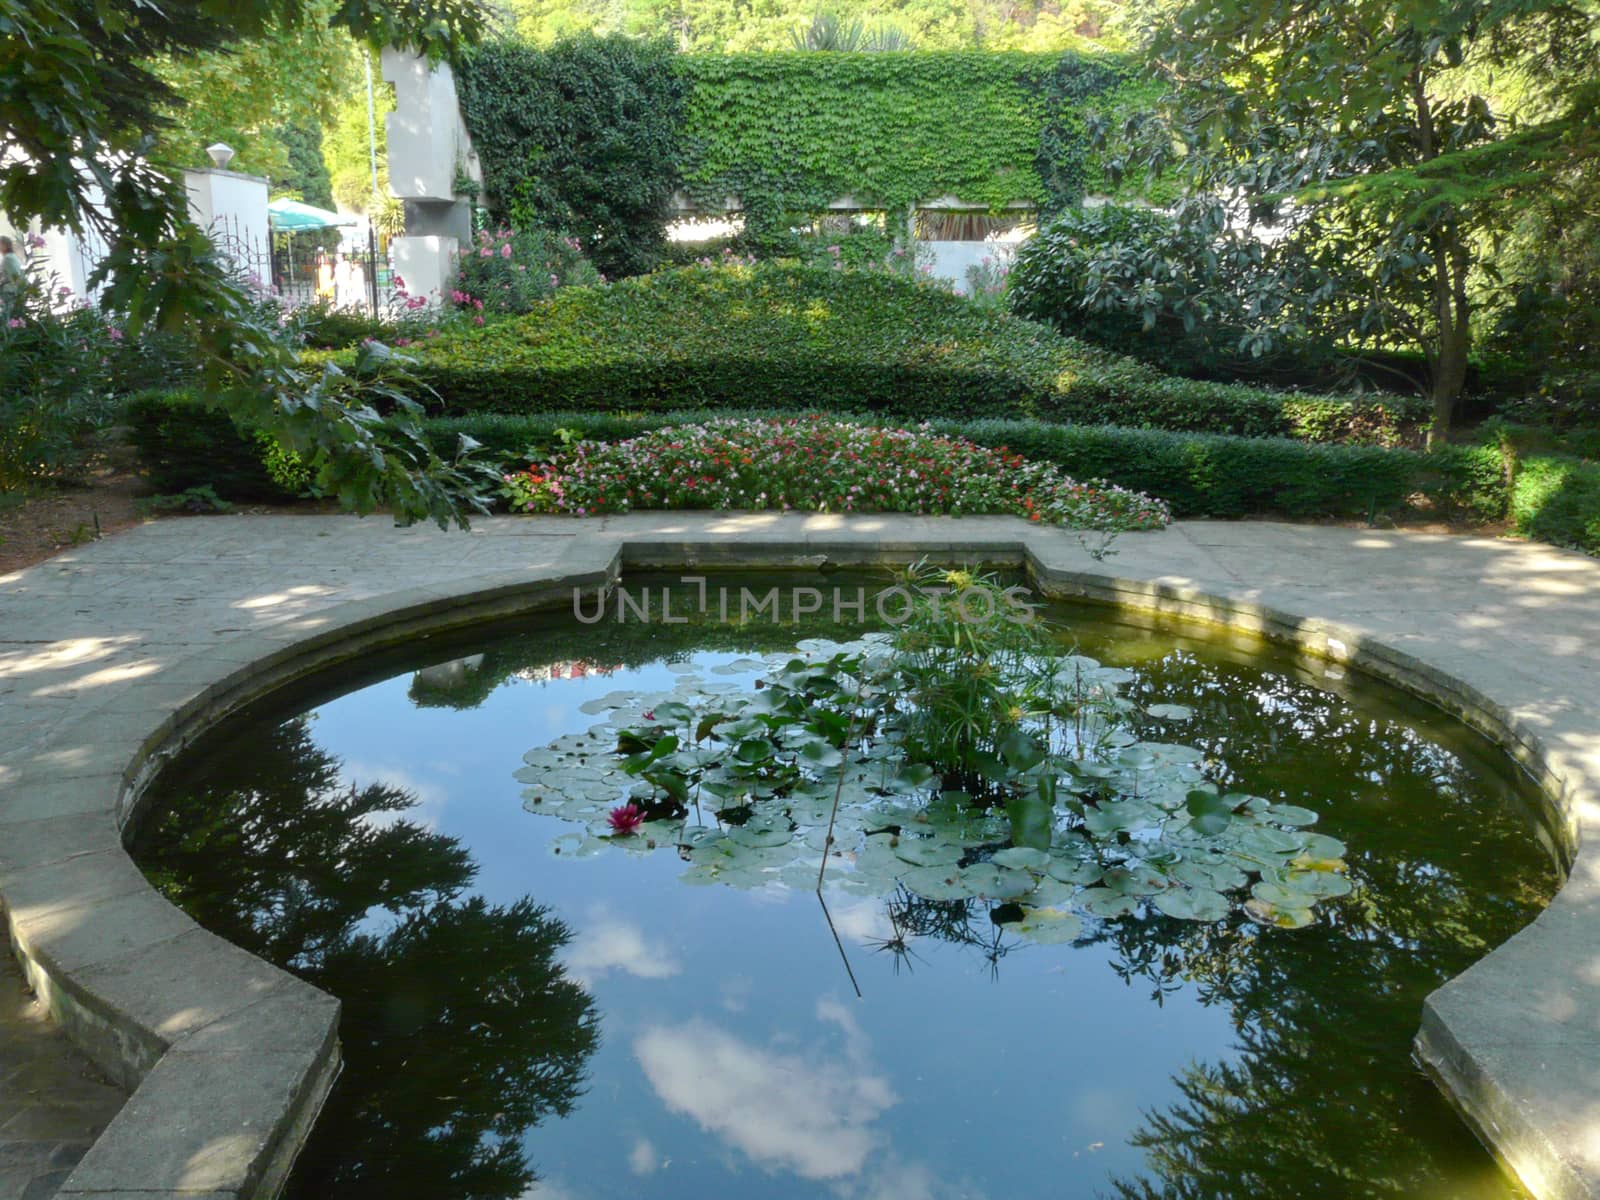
{"x": 1198, "y": 977}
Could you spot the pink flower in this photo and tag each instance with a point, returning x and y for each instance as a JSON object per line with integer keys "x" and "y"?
{"x": 486, "y": 253}
{"x": 35, "y": 242}
{"x": 114, "y": 334}
{"x": 505, "y": 250}
{"x": 15, "y": 323}
{"x": 478, "y": 320}
{"x": 625, "y": 820}
{"x": 399, "y": 283}
{"x": 555, "y": 281}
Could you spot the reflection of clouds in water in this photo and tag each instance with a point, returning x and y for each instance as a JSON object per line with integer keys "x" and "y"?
{"x": 430, "y": 797}
{"x": 894, "y": 1179}
{"x": 642, "y": 1158}
{"x": 736, "y": 991}
{"x": 805, "y": 1113}
{"x": 549, "y": 1189}
{"x": 608, "y": 944}
{"x": 864, "y": 922}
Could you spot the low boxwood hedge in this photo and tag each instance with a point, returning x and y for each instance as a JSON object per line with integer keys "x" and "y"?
{"x": 1199, "y": 475}
{"x": 1557, "y": 500}
{"x": 799, "y": 337}
{"x": 182, "y": 444}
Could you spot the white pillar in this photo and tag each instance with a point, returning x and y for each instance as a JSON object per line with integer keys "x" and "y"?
{"x": 427, "y": 264}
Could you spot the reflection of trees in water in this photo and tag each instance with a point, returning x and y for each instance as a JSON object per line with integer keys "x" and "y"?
{"x": 460, "y": 1031}
{"x": 1320, "y": 1098}
{"x": 1324, "y": 1017}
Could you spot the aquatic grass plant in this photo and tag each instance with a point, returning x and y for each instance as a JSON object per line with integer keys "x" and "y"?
{"x": 817, "y": 464}
{"x": 961, "y": 756}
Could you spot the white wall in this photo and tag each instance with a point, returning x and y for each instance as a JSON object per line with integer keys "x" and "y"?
{"x": 427, "y": 138}
{"x": 232, "y": 206}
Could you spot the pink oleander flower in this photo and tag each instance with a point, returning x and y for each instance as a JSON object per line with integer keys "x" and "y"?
{"x": 478, "y": 319}
{"x": 505, "y": 250}
{"x": 625, "y": 820}
{"x": 555, "y": 281}
{"x": 486, "y": 253}
{"x": 15, "y": 323}
{"x": 114, "y": 334}
{"x": 35, "y": 242}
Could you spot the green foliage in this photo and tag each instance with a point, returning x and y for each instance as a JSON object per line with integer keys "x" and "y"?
{"x": 182, "y": 445}
{"x": 790, "y": 133}
{"x": 307, "y": 174}
{"x": 785, "y": 337}
{"x": 80, "y": 99}
{"x": 196, "y": 501}
{"x": 508, "y": 271}
{"x": 1557, "y": 499}
{"x": 785, "y": 134}
{"x": 1198, "y": 475}
{"x": 1364, "y": 137}
{"x": 1136, "y": 281}
{"x": 581, "y": 137}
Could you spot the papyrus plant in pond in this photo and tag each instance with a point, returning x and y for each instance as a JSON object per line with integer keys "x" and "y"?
{"x": 961, "y": 755}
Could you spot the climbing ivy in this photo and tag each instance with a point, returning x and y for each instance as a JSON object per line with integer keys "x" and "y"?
{"x": 789, "y": 133}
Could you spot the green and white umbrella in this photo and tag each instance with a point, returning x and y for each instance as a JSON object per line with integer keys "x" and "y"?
{"x": 291, "y": 216}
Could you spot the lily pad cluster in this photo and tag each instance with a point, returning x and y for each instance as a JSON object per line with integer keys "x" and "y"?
{"x": 756, "y": 769}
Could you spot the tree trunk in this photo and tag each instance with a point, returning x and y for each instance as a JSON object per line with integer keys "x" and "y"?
{"x": 1452, "y": 312}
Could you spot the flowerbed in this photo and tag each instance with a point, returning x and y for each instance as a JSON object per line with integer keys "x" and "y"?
{"x": 820, "y": 465}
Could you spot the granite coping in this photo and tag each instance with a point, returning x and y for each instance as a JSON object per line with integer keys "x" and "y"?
{"x": 115, "y": 656}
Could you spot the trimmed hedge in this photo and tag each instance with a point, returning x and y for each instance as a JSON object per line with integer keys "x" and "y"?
{"x": 183, "y": 444}
{"x": 812, "y": 338}
{"x": 1557, "y": 500}
{"x": 1199, "y": 475}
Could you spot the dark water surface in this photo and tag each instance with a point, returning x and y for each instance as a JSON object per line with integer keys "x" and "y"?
{"x": 707, "y": 1042}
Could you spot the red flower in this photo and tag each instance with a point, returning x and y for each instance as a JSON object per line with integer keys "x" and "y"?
{"x": 625, "y": 820}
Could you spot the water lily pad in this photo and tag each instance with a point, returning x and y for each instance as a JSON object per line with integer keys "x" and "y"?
{"x": 1281, "y": 918}
{"x": 1048, "y": 926}
{"x": 1021, "y": 857}
{"x": 1103, "y": 902}
{"x": 1291, "y": 814}
{"x": 1135, "y": 881}
{"x": 1170, "y": 712}
{"x": 927, "y": 852}
{"x": 1321, "y": 846}
{"x": 756, "y": 836}
{"x": 936, "y": 883}
{"x": 1193, "y": 904}
{"x": 1324, "y": 885}
{"x": 996, "y": 883}
{"x": 1074, "y": 871}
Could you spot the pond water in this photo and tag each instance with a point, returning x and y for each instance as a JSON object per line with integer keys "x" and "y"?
{"x": 534, "y": 1009}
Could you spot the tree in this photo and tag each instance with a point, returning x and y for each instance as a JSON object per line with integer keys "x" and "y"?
{"x": 1364, "y": 141}
{"x": 458, "y": 1027}
{"x": 244, "y": 93}
{"x": 82, "y": 105}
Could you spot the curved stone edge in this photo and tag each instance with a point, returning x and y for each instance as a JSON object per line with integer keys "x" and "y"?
{"x": 184, "y": 1015}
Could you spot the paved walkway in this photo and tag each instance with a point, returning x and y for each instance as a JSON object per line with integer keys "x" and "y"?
{"x": 102, "y": 646}
{"x": 53, "y": 1103}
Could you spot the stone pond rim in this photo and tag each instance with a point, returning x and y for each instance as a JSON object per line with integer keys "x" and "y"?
{"x": 115, "y": 656}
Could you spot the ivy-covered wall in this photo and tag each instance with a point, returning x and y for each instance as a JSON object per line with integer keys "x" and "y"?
{"x": 795, "y": 131}
{"x": 785, "y": 133}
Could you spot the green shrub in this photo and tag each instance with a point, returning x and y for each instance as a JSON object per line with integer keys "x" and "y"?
{"x": 1081, "y": 269}
{"x": 1557, "y": 500}
{"x": 1199, "y": 475}
{"x": 510, "y": 270}
{"x": 795, "y": 337}
{"x": 183, "y": 446}
{"x": 580, "y": 136}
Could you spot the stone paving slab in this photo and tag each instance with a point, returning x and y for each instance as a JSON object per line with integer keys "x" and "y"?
{"x": 114, "y": 655}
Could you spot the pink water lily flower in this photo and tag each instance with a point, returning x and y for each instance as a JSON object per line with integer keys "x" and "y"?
{"x": 625, "y": 820}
